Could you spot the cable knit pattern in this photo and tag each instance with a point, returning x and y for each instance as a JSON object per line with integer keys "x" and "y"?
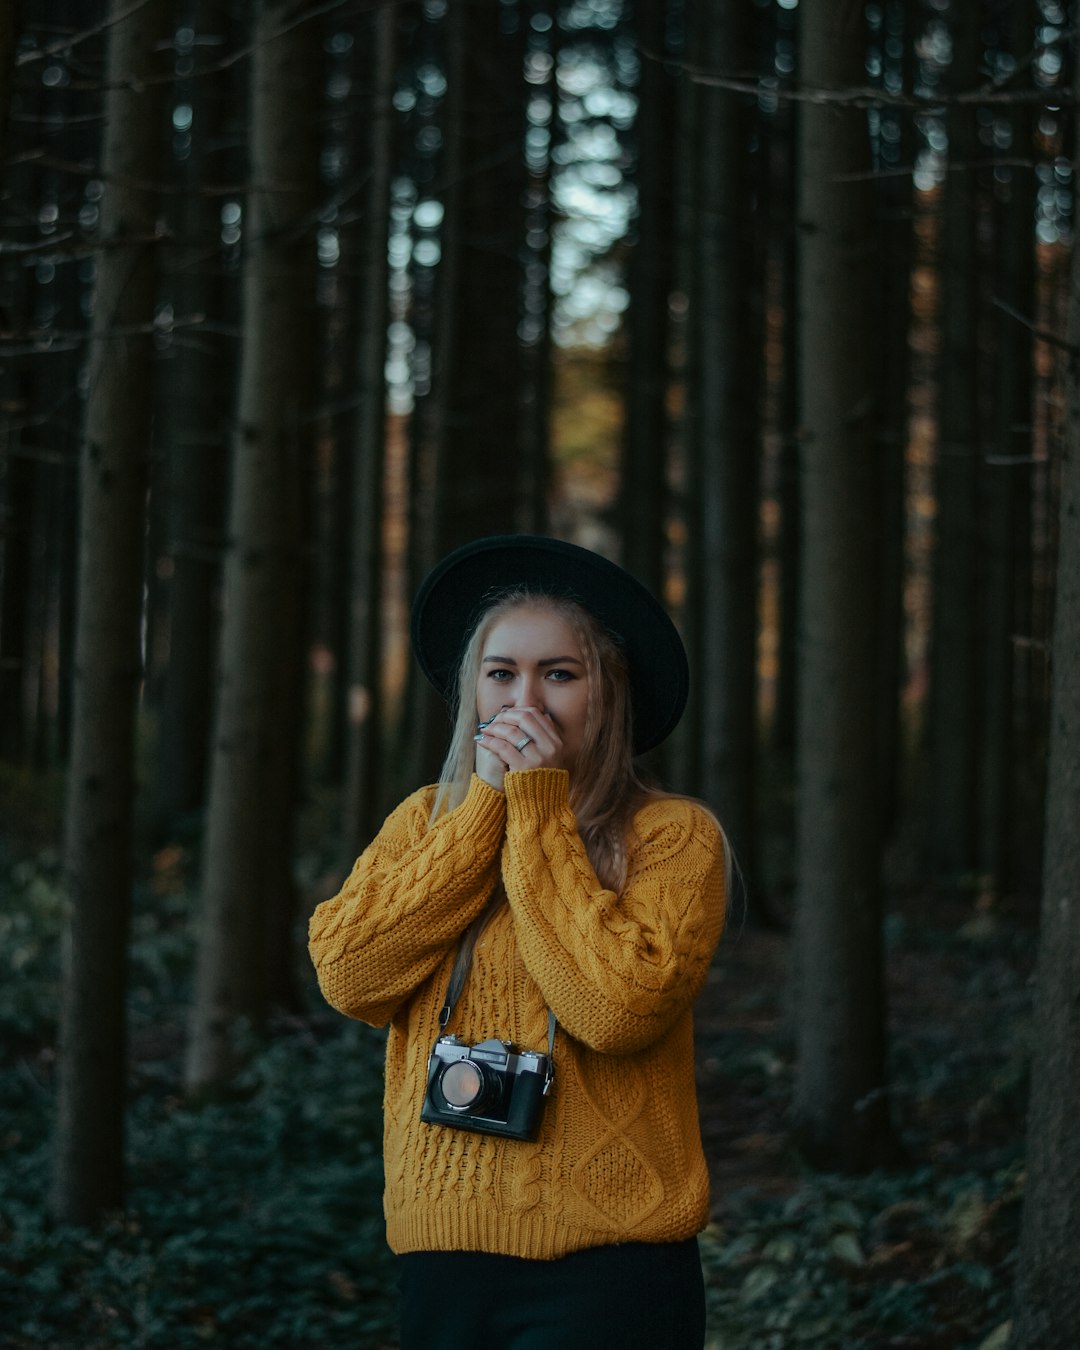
{"x": 619, "y": 1155}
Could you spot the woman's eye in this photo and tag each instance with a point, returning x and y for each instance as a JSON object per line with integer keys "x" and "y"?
{"x": 561, "y": 676}
{"x": 499, "y": 676}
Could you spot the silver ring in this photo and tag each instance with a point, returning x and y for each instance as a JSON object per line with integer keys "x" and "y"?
{"x": 520, "y": 745}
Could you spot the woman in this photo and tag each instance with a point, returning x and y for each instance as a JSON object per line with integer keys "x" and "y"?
{"x": 544, "y": 1193}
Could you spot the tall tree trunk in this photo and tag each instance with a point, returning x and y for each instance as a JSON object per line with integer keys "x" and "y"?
{"x": 17, "y": 484}
{"x": 897, "y": 253}
{"x": 839, "y": 1105}
{"x": 1048, "y": 1293}
{"x": 9, "y": 30}
{"x": 643, "y": 494}
{"x": 725, "y": 486}
{"x": 541, "y": 58}
{"x": 481, "y": 488}
{"x": 88, "y": 1177}
{"x": 1007, "y": 493}
{"x": 423, "y": 727}
{"x": 954, "y": 694}
{"x": 778, "y": 190}
{"x": 470, "y": 477}
{"x": 195, "y": 393}
{"x": 17, "y": 488}
{"x": 247, "y": 886}
{"x": 360, "y": 797}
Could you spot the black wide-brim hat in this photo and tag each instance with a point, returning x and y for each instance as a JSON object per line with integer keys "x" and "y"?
{"x": 461, "y": 588}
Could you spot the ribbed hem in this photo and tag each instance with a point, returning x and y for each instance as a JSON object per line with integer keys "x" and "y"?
{"x": 536, "y": 794}
{"x": 477, "y": 1228}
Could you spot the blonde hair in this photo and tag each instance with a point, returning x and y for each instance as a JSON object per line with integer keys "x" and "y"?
{"x": 606, "y": 790}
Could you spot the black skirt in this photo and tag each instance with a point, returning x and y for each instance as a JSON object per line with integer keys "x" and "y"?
{"x": 635, "y": 1296}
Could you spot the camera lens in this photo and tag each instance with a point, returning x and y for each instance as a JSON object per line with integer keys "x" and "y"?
{"x": 462, "y": 1084}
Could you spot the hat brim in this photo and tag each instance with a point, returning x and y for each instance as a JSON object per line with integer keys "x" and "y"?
{"x": 467, "y": 582}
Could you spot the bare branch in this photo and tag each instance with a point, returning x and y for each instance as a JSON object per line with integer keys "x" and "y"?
{"x": 92, "y": 169}
{"x": 946, "y": 166}
{"x": 26, "y": 342}
{"x": 76, "y": 39}
{"x": 63, "y": 45}
{"x": 1042, "y": 334}
{"x": 989, "y": 93}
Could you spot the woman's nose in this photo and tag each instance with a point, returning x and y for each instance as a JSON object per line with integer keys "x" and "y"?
{"x": 528, "y": 692}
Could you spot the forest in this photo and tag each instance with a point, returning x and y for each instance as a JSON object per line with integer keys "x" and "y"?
{"x": 772, "y": 301}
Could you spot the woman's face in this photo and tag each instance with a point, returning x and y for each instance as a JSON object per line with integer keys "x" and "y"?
{"x": 532, "y": 659}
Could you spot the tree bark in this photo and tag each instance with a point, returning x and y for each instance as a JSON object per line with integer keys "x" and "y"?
{"x": 1007, "y": 499}
{"x": 10, "y": 23}
{"x": 17, "y": 546}
{"x": 422, "y": 735}
{"x": 481, "y": 486}
{"x": 954, "y": 693}
{"x": 897, "y": 253}
{"x": 361, "y": 797}
{"x": 724, "y": 487}
{"x": 643, "y": 492}
{"x": 247, "y": 886}
{"x": 1048, "y": 1294}
{"x": 839, "y": 1104}
{"x": 195, "y": 391}
{"x": 470, "y": 478}
{"x": 537, "y": 347}
{"x": 88, "y": 1176}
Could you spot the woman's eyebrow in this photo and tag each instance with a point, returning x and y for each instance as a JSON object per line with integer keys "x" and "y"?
{"x": 546, "y": 661}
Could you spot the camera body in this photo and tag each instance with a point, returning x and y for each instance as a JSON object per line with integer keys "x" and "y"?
{"x": 489, "y": 1088}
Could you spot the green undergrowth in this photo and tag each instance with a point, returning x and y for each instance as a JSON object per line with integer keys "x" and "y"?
{"x": 256, "y": 1221}
{"x": 253, "y": 1221}
{"x": 250, "y": 1221}
{"x": 916, "y": 1259}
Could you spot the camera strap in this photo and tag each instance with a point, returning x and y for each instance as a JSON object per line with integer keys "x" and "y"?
{"x": 460, "y": 972}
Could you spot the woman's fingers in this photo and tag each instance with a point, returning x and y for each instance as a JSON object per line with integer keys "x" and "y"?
{"x": 522, "y": 738}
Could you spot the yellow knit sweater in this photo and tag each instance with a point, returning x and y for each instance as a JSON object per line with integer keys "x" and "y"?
{"x": 618, "y": 1157}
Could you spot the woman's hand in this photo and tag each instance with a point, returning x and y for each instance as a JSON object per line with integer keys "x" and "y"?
{"x": 517, "y": 738}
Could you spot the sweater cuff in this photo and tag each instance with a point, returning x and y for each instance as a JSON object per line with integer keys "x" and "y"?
{"x": 482, "y": 814}
{"x": 536, "y": 794}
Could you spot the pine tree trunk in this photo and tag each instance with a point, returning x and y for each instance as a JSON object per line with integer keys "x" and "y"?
{"x": 955, "y": 653}
{"x": 778, "y": 189}
{"x": 1048, "y": 1293}
{"x": 88, "y": 1178}
{"x": 897, "y": 253}
{"x": 17, "y": 475}
{"x": 16, "y": 551}
{"x": 195, "y": 390}
{"x": 643, "y": 494}
{"x": 361, "y": 797}
{"x": 839, "y": 1102}
{"x": 481, "y": 487}
{"x": 537, "y": 344}
{"x": 469, "y": 479}
{"x": 1007, "y": 494}
{"x": 423, "y": 728}
{"x": 247, "y": 887}
{"x": 725, "y": 489}
{"x": 9, "y": 31}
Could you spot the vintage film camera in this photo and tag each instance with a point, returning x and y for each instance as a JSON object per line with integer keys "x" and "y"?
{"x": 489, "y": 1088}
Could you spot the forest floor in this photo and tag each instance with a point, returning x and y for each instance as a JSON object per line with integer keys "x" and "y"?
{"x": 918, "y": 1256}
{"x": 256, "y": 1221}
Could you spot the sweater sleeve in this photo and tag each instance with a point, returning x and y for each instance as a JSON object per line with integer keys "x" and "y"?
{"x": 616, "y": 970}
{"x": 410, "y": 896}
